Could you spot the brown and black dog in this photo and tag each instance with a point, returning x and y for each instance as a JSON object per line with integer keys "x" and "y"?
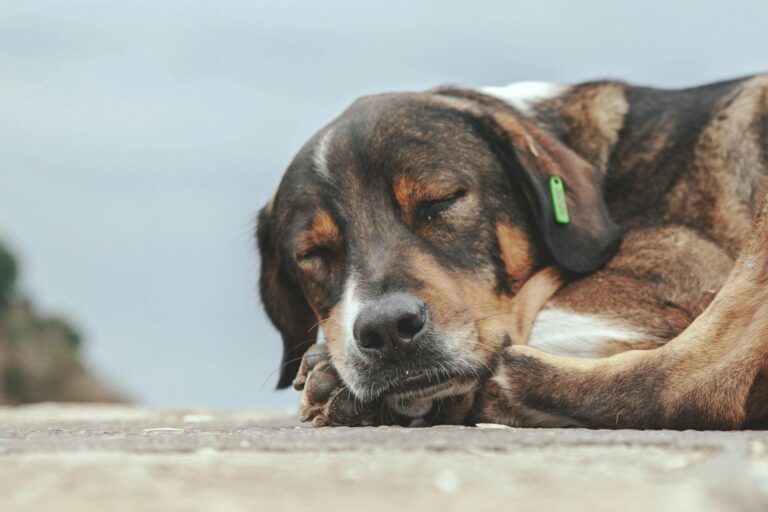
{"x": 417, "y": 235}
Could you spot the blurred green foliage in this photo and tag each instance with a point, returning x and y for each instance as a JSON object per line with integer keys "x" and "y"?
{"x": 8, "y": 272}
{"x": 39, "y": 356}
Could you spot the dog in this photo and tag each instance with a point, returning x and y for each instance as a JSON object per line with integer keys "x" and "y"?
{"x": 534, "y": 255}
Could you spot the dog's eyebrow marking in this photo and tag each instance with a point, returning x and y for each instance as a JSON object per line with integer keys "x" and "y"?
{"x": 581, "y": 335}
{"x": 320, "y": 153}
{"x": 524, "y": 95}
{"x": 515, "y": 247}
{"x": 409, "y": 191}
{"x": 322, "y": 230}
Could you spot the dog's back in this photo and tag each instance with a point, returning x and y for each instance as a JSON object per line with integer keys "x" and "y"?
{"x": 696, "y": 157}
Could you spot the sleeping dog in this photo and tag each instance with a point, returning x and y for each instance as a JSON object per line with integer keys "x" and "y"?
{"x": 524, "y": 255}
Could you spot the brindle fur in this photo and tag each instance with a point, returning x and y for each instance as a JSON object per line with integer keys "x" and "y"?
{"x": 712, "y": 376}
{"x": 695, "y": 173}
{"x": 682, "y": 172}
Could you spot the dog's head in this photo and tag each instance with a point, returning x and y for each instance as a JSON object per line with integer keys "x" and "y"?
{"x": 404, "y": 228}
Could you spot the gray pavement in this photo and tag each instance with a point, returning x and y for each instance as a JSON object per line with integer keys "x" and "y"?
{"x": 117, "y": 458}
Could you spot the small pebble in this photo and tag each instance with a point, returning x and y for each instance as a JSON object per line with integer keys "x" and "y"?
{"x": 196, "y": 418}
{"x": 447, "y": 482}
{"x": 491, "y": 425}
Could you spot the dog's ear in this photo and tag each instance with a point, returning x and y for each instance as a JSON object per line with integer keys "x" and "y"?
{"x": 590, "y": 237}
{"x": 284, "y": 300}
{"x": 534, "y": 156}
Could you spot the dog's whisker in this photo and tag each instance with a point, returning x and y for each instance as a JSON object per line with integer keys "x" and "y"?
{"x": 279, "y": 368}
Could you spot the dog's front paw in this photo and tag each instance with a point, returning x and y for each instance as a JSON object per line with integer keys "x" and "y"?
{"x": 501, "y": 399}
{"x": 513, "y": 396}
{"x": 325, "y": 399}
{"x": 447, "y": 410}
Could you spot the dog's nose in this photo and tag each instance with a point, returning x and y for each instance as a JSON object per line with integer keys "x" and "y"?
{"x": 392, "y": 326}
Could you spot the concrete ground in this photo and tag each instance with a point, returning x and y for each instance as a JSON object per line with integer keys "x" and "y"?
{"x": 115, "y": 458}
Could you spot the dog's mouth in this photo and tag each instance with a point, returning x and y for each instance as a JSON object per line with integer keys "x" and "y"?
{"x": 431, "y": 374}
{"x": 418, "y": 384}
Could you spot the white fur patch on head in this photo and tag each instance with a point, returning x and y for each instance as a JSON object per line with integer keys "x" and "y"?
{"x": 350, "y": 309}
{"x": 576, "y": 334}
{"x": 524, "y": 95}
{"x": 320, "y": 153}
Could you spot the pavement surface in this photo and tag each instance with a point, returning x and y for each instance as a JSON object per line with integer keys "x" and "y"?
{"x": 96, "y": 458}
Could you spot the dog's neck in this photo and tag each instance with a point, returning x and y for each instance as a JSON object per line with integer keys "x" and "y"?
{"x": 531, "y": 299}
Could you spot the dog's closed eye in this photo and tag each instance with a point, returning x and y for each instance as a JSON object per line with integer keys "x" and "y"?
{"x": 322, "y": 252}
{"x": 321, "y": 242}
{"x": 431, "y": 209}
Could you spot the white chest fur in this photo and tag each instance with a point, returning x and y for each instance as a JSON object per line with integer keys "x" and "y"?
{"x": 577, "y": 334}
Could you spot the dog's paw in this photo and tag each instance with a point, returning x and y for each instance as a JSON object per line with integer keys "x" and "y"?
{"x": 447, "y": 410}
{"x": 510, "y": 396}
{"x": 325, "y": 400}
{"x": 500, "y": 400}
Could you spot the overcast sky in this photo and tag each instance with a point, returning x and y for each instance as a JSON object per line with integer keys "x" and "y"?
{"x": 139, "y": 138}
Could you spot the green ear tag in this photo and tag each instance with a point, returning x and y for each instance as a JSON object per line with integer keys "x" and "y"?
{"x": 559, "y": 205}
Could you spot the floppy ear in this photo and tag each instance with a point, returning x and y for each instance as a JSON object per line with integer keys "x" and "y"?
{"x": 590, "y": 237}
{"x": 534, "y": 156}
{"x": 284, "y": 301}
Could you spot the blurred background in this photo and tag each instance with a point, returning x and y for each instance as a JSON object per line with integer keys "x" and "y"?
{"x": 139, "y": 138}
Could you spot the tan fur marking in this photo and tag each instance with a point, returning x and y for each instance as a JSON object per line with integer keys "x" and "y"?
{"x": 322, "y": 231}
{"x": 464, "y": 305}
{"x": 405, "y": 189}
{"x": 409, "y": 192}
{"x": 459, "y": 301}
{"x": 530, "y": 299}
{"x": 440, "y": 290}
{"x": 324, "y": 227}
{"x": 595, "y": 114}
{"x": 515, "y": 251}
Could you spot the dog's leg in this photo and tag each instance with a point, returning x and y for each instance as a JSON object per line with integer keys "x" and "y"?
{"x": 710, "y": 376}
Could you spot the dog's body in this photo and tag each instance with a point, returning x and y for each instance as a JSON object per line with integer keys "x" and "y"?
{"x": 685, "y": 171}
{"x": 681, "y": 172}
